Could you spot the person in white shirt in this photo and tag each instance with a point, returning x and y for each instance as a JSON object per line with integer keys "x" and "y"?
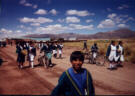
{"x": 54, "y": 50}
{"x": 32, "y": 54}
{"x": 60, "y": 47}
{"x": 111, "y": 55}
{"x": 120, "y": 52}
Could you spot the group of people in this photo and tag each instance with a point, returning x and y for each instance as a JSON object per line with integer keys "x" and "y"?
{"x": 28, "y": 50}
{"x": 114, "y": 53}
{"x": 53, "y": 47}
{"x": 25, "y": 49}
{"x": 75, "y": 80}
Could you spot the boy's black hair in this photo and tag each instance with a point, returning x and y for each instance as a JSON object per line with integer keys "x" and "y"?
{"x": 77, "y": 55}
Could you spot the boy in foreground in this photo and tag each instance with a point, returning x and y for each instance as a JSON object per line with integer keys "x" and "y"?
{"x": 76, "y": 80}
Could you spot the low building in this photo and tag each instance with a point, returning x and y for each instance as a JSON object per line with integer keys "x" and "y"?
{"x": 72, "y": 38}
{"x": 41, "y": 39}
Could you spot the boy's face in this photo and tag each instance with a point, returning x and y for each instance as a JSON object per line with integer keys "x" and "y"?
{"x": 76, "y": 64}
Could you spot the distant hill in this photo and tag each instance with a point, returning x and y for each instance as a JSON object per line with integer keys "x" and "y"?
{"x": 121, "y": 33}
{"x": 116, "y": 34}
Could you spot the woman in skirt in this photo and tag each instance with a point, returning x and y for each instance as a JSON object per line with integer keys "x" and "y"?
{"x": 21, "y": 56}
{"x": 120, "y": 53}
{"x": 111, "y": 55}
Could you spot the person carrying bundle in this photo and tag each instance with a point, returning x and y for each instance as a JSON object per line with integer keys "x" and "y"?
{"x": 47, "y": 48}
{"x": 22, "y": 52}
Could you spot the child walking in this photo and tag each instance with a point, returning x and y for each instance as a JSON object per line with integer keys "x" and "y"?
{"x": 120, "y": 53}
{"x": 76, "y": 80}
{"x": 112, "y": 56}
{"x": 60, "y": 47}
{"x": 32, "y": 54}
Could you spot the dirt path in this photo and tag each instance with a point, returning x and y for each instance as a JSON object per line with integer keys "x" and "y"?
{"x": 16, "y": 81}
{"x": 39, "y": 80}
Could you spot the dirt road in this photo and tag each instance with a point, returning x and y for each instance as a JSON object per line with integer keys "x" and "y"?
{"x": 39, "y": 81}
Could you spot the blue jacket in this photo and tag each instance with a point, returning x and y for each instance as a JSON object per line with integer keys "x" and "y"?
{"x": 65, "y": 86}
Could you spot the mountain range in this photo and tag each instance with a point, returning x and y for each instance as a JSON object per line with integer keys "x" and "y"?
{"x": 116, "y": 34}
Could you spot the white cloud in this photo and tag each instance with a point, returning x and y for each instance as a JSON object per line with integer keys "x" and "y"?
{"x": 28, "y": 4}
{"x": 34, "y": 20}
{"x": 72, "y": 20}
{"x": 18, "y": 31}
{"x": 28, "y": 28}
{"x": 120, "y": 18}
{"x": 5, "y": 31}
{"x": 21, "y": 26}
{"x": 124, "y": 6}
{"x": 122, "y": 26}
{"x": 60, "y": 20}
{"x": 109, "y": 9}
{"x": 57, "y": 28}
{"x": 128, "y": 19}
{"x": 112, "y": 16}
{"x": 53, "y": 11}
{"x": 35, "y": 6}
{"x": 53, "y": 29}
{"x": 24, "y": 3}
{"x": 108, "y": 23}
{"x": 89, "y": 20}
{"x": 79, "y": 13}
{"x": 41, "y": 12}
{"x": 79, "y": 27}
{"x": 26, "y": 20}
{"x": 116, "y": 18}
{"x": 35, "y": 24}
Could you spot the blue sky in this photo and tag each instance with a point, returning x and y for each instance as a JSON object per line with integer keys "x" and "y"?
{"x": 21, "y": 17}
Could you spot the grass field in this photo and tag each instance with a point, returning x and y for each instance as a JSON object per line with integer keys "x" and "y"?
{"x": 129, "y": 47}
